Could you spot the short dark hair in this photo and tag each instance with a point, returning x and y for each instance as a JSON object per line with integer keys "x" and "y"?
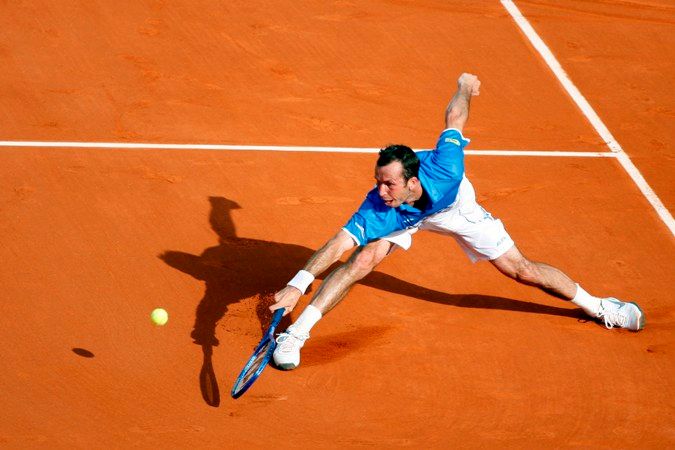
{"x": 403, "y": 154}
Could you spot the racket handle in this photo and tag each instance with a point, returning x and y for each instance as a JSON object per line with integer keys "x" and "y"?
{"x": 278, "y": 314}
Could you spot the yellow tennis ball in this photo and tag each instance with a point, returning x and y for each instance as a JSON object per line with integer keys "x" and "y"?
{"x": 159, "y": 316}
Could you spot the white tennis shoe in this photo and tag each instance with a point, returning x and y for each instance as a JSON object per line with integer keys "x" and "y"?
{"x": 287, "y": 354}
{"x": 616, "y": 313}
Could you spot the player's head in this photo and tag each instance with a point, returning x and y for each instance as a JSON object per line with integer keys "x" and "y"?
{"x": 396, "y": 174}
{"x": 402, "y": 154}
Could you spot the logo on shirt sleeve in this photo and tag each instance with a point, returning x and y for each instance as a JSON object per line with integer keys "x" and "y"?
{"x": 363, "y": 231}
{"x": 454, "y": 141}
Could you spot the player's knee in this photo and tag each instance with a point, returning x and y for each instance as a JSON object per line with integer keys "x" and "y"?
{"x": 363, "y": 263}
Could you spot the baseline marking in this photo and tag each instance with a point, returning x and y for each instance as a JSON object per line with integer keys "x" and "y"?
{"x": 281, "y": 148}
{"x": 590, "y": 114}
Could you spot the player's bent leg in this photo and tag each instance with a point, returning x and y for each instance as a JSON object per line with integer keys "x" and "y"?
{"x": 611, "y": 311}
{"x": 330, "y": 293}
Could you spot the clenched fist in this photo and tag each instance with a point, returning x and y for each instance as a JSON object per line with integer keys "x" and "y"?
{"x": 470, "y": 82}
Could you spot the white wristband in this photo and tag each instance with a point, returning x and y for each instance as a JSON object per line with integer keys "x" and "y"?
{"x": 302, "y": 280}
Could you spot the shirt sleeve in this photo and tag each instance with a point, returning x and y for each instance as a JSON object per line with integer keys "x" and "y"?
{"x": 372, "y": 221}
{"x": 450, "y": 142}
{"x": 448, "y": 156}
{"x": 356, "y": 226}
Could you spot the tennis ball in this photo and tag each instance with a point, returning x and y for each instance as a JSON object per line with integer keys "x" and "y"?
{"x": 159, "y": 316}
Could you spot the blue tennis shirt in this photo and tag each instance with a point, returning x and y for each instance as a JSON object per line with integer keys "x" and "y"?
{"x": 441, "y": 172}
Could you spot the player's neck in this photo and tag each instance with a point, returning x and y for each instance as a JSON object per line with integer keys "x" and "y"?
{"x": 416, "y": 196}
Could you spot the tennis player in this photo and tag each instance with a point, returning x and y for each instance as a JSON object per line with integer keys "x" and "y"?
{"x": 417, "y": 191}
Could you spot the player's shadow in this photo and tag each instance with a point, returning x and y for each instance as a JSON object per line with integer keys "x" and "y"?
{"x": 240, "y": 268}
{"x": 234, "y": 270}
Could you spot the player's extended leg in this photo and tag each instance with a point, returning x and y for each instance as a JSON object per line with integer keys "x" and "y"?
{"x": 553, "y": 281}
{"x": 330, "y": 293}
{"x": 547, "y": 278}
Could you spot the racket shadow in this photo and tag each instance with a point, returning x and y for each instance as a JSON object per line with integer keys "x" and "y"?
{"x": 247, "y": 272}
{"x": 208, "y": 383}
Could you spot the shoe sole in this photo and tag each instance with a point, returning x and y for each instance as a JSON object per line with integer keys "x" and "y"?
{"x": 288, "y": 366}
{"x": 641, "y": 320}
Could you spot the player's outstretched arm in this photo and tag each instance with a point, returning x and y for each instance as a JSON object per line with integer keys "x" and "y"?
{"x": 320, "y": 261}
{"x": 457, "y": 112}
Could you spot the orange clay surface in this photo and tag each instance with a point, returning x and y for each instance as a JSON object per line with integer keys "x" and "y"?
{"x": 429, "y": 351}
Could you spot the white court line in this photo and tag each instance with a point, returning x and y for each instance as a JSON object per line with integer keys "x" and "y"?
{"x": 590, "y": 114}
{"x": 283, "y": 148}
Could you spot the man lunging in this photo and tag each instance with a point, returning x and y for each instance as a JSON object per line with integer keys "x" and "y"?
{"x": 417, "y": 191}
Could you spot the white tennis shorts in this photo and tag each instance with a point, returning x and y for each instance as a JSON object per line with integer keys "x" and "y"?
{"x": 481, "y": 236}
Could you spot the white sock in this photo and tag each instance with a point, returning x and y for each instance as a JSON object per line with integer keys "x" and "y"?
{"x": 309, "y": 317}
{"x": 584, "y": 300}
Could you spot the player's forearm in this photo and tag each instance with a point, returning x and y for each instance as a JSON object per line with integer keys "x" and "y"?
{"x": 457, "y": 112}
{"x": 332, "y": 250}
{"x": 321, "y": 260}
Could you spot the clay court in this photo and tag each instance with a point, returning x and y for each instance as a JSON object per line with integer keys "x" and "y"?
{"x": 192, "y": 155}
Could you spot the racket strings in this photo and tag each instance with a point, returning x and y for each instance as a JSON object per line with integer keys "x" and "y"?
{"x": 255, "y": 364}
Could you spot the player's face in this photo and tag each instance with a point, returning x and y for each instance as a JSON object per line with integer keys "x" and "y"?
{"x": 392, "y": 187}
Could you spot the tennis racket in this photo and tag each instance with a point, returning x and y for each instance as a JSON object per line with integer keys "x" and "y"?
{"x": 261, "y": 356}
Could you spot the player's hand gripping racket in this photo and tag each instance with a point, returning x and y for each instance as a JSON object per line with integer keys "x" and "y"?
{"x": 257, "y": 362}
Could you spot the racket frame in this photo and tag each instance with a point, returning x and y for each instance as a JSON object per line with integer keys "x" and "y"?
{"x": 268, "y": 338}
